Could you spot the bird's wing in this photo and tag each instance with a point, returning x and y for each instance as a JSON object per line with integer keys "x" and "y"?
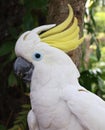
{"x": 88, "y": 108}
{"x": 32, "y": 123}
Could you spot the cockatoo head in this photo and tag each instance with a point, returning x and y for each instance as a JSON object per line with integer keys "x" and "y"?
{"x": 41, "y": 55}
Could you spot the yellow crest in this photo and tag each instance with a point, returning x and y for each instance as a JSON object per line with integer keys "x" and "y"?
{"x": 63, "y": 36}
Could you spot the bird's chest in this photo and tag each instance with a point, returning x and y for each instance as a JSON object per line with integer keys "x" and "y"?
{"x": 49, "y": 108}
{"x": 45, "y": 100}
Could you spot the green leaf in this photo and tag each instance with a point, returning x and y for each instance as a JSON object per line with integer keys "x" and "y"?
{"x": 20, "y": 122}
{"x": 92, "y": 18}
{"x": 41, "y": 3}
{"x": 28, "y": 21}
{"x": 2, "y": 127}
{"x": 101, "y": 84}
{"x": 35, "y": 4}
{"x": 98, "y": 52}
{"x": 12, "y": 81}
{"x": 16, "y": 127}
{"x": 6, "y": 48}
{"x": 13, "y": 32}
{"x": 92, "y": 40}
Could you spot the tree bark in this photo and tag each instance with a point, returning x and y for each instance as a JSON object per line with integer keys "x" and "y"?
{"x": 58, "y": 12}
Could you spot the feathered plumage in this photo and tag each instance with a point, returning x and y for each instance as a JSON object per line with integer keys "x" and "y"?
{"x": 57, "y": 99}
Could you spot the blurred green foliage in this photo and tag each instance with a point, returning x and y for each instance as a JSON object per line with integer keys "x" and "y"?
{"x": 20, "y": 122}
{"x": 28, "y": 15}
{"x": 30, "y": 20}
{"x": 93, "y": 72}
{"x": 100, "y": 21}
{"x": 90, "y": 24}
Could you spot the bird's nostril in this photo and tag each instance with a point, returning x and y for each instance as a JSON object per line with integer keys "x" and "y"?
{"x": 20, "y": 74}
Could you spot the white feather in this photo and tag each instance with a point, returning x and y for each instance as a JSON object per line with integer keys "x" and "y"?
{"x": 32, "y": 122}
{"x": 58, "y": 101}
{"x": 86, "y": 106}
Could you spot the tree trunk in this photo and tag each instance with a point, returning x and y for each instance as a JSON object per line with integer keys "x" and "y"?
{"x": 58, "y": 12}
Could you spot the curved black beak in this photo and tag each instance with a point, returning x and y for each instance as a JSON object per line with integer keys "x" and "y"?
{"x": 23, "y": 69}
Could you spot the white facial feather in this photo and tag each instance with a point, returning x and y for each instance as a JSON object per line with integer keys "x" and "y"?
{"x": 29, "y": 43}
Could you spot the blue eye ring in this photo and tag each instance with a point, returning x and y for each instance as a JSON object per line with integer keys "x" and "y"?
{"x": 37, "y": 56}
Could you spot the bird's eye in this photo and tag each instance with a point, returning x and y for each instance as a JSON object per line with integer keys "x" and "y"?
{"x": 37, "y": 56}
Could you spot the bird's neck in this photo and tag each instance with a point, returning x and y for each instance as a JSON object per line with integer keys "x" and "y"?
{"x": 48, "y": 81}
{"x": 54, "y": 76}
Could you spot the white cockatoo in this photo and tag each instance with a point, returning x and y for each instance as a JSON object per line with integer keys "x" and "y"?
{"x": 58, "y": 101}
